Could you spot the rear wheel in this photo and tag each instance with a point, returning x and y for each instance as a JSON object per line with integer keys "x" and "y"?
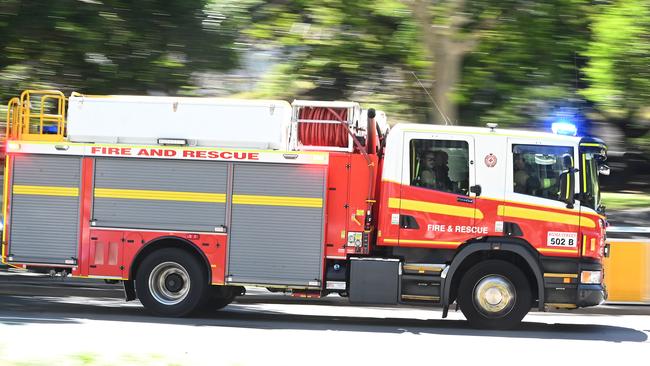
{"x": 494, "y": 294}
{"x": 171, "y": 282}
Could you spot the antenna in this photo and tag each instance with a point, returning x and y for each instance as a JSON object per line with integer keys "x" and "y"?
{"x": 447, "y": 120}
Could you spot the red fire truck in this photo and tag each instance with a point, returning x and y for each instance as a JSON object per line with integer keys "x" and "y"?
{"x": 189, "y": 200}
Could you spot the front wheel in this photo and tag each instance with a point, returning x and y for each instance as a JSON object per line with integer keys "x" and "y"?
{"x": 494, "y": 294}
{"x": 171, "y": 282}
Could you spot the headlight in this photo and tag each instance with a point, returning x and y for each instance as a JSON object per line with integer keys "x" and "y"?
{"x": 590, "y": 277}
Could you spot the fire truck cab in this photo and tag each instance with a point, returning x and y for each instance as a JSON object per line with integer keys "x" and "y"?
{"x": 189, "y": 200}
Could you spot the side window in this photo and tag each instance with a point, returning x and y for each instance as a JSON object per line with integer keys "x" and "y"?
{"x": 442, "y": 165}
{"x": 537, "y": 169}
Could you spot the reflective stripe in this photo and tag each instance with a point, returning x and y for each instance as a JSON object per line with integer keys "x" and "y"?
{"x": 436, "y": 208}
{"x": 568, "y": 186}
{"x": 140, "y": 194}
{"x": 593, "y": 144}
{"x": 546, "y": 216}
{"x": 547, "y": 250}
{"x": 245, "y": 199}
{"x": 584, "y": 173}
{"x": 5, "y": 201}
{"x": 47, "y": 191}
{"x": 560, "y": 275}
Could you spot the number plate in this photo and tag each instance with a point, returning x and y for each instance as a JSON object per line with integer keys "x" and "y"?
{"x": 562, "y": 239}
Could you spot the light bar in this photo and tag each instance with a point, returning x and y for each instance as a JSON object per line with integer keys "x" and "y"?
{"x": 564, "y": 128}
{"x": 178, "y": 142}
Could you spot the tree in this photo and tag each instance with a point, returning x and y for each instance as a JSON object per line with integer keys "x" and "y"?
{"x": 527, "y": 63}
{"x": 446, "y": 40}
{"x": 618, "y": 70}
{"x": 110, "y": 46}
{"x": 336, "y": 49}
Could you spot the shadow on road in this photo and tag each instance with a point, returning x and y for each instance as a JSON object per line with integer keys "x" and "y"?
{"x": 17, "y": 310}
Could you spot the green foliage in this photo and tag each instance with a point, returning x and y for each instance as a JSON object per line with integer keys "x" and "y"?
{"x": 526, "y": 60}
{"x": 335, "y": 49}
{"x": 110, "y": 46}
{"x": 524, "y": 55}
{"x": 625, "y": 201}
{"x": 618, "y": 70}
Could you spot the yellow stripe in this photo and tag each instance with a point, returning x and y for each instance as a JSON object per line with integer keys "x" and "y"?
{"x": 568, "y": 185}
{"x": 584, "y": 173}
{"x": 584, "y": 244}
{"x": 591, "y": 144}
{"x": 593, "y": 244}
{"x": 160, "y": 195}
{"x": 5, "y": 195}
{"x": 560, "y": 275}
{"x": 245, "y": 199}
{"x": 422, "y": 242}
{"x": 436, "y": 208}
{"x": 47, "y": 191}
{"x": 546, "y": 250}
{"x": 546, "y": 216}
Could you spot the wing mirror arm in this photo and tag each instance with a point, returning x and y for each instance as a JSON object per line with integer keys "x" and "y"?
{"x": 567, "y": 187}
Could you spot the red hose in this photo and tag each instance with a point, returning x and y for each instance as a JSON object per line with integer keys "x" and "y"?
{"x": 323, "y": 134}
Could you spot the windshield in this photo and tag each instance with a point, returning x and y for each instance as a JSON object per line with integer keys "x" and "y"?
{"x": 590, "y": 186}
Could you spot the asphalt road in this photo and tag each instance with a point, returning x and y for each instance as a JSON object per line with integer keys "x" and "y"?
{"x": 45, "y": 321}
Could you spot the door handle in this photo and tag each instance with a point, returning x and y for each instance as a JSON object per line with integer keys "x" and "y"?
{"x": 408, "y": 222}
{"x": 464, "y": 199}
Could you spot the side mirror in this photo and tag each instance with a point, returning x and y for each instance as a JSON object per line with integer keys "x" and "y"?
{"x": 603, "y": 169}
{"x": 567, "y": 187}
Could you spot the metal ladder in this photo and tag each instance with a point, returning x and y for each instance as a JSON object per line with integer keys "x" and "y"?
{"x": 37, "y": 115}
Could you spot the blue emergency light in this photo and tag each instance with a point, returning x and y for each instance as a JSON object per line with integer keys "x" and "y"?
{"x": 564, "y": 128}
{"x": 565, "y": 120}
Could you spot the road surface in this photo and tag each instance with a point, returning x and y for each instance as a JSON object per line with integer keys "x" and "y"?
{"x": 49, "y": 321}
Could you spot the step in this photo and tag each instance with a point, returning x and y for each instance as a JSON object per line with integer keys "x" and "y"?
{"x": 407, "y": 297}
{"x": 423, "y": 268}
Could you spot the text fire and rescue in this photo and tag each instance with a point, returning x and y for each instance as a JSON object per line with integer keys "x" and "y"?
{"x": 171, "y": 153}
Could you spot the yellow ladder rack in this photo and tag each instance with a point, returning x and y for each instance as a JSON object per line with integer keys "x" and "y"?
{"x": 40, "y": 120}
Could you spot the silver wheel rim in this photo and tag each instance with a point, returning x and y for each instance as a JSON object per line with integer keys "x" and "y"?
{"x": 494, "y": 296}
{"x": 169, "y": 283}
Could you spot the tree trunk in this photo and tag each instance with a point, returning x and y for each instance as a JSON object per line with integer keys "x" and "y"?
{"x": 446, "y": 47}
{"x": 446, "y": 76}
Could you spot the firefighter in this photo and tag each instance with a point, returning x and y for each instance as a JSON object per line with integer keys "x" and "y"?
{"x": 524, "y": 181}
{"x": 434, "y": 173}
{"x": 426, "y": 178}
{"x": 441, "y": 171}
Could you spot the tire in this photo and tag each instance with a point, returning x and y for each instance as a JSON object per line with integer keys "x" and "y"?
{"x": 494, "y": 294}
{"x": 171, "y": 282}
{"x": 219, "y": 297}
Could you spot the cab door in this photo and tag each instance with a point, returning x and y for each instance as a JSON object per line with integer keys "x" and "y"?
{"x": 436, "y": 206}
{"x": 534, "y": 203}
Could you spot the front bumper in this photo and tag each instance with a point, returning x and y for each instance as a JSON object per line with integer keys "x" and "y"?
{"x": 562, "y": 287}
{"x": 590, "y": 295}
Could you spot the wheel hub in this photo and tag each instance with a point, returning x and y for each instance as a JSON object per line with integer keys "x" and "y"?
{"x": 169, "y": 283}
{"x": 494, "y": 296}
{"x": 174, "y": 282}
